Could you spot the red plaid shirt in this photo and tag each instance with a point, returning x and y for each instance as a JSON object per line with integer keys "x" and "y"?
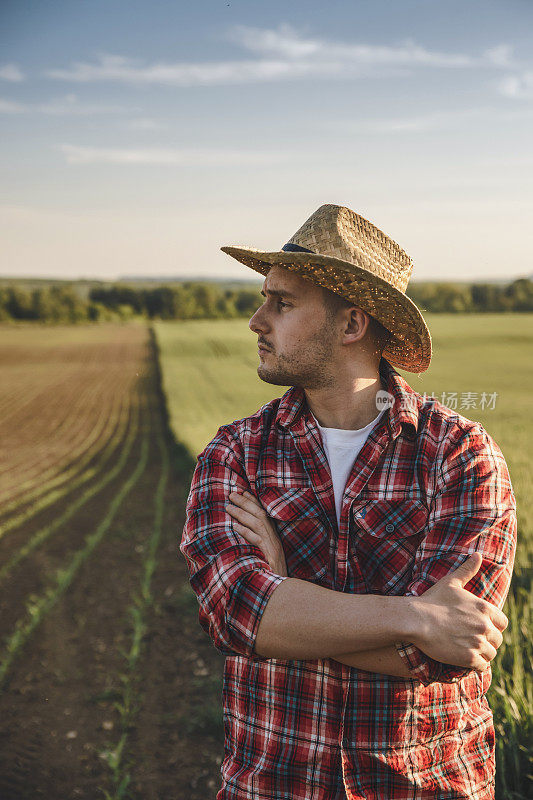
{"x": 428, "y": 488}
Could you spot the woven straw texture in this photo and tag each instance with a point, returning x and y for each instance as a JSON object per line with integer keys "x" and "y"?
{"x": 357, "y": 261}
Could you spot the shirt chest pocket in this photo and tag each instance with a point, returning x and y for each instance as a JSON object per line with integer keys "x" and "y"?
{"x": 384, "y": 537}
{"x": 300, "y": 523}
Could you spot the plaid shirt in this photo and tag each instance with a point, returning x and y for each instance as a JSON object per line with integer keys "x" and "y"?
{"x": 428, "y": 488}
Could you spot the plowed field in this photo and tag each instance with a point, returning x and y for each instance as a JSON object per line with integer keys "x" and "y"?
{"x": 108, "y": 687}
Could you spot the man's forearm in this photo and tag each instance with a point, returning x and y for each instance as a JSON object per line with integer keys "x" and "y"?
{"x": 305, "y": 621}
{"x": 385, "y": 660}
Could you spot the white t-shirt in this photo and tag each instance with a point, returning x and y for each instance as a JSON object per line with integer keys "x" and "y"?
{"x": 342, "y": 448}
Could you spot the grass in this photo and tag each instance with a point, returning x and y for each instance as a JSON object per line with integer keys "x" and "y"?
{"x": 209, "y": 378}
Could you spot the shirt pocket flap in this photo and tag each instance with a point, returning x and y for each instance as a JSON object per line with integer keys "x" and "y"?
{"x": 390, "y": 519}
{"x": 289, "y": 504}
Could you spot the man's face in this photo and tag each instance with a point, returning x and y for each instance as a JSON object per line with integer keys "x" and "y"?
{"x": 295, "y": 334}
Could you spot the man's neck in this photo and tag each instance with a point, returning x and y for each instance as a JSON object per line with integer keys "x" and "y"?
{"x": 349, "y": 405}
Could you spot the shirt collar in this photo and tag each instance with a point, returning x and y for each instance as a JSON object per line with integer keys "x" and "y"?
{"x": 403, "y": 410}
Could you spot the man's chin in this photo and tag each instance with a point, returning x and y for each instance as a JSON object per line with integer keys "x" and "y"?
{"x": 271, "y": 377}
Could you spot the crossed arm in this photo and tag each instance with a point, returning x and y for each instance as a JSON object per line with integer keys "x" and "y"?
{"x": 253, "y": 524}
{"x": 303, "y": 620}
{"x": 249, "y": 605}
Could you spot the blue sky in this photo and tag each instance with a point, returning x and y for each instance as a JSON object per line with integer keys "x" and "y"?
{"x": 139, "y": 137}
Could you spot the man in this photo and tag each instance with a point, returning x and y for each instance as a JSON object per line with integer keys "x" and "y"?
{"x": 350, "y": 564}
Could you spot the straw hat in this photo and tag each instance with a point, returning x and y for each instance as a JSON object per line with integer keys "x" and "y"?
{"x": 341, "y": 251}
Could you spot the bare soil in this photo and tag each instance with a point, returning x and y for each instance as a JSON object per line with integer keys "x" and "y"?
{"x": 57, "y": 712}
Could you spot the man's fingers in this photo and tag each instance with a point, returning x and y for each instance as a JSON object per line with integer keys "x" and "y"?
{"x": 498, "y": 617}
{"x": 495, "y": 637}
{"x": 481, "y": 654}
{"x": 468, "y": 569}
{"x": 248, "y": 502}
{"x": 481, "y": 664}
{"x": 487, "y": 651}
{"x": 251, "y": 497}
{"x": 245, "y": 517}
{"x": 247, "y": 534}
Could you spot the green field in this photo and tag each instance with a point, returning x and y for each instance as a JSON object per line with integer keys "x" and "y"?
{"x": 209, "y": 378}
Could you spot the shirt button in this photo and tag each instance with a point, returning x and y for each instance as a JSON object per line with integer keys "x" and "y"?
{"x": 389, "y": 527}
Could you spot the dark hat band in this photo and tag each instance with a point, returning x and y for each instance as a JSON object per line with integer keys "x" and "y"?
{"x": 295, "y": 248}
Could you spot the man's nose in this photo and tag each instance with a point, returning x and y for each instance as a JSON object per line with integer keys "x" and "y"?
{"x": 258, "y": 323}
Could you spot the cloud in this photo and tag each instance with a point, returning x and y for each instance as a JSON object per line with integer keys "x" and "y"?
{"x": 124, "y": 70}
{"x": 62, "y": 106}
{"x": 285, "y": 41}
{"x": 288, "y": 43}
{"x": 8, "y": 107}
{"x": 436, "y": 120}
{"x": 413, "y": 124}
{"x": 500, "y": 56}
{"x": 146, "y": 124}
{"x": 11, "y": 73}
{"x": 76, "y": 154}
{"x": 280, "y": 54}
{"x": 517, "y": 86}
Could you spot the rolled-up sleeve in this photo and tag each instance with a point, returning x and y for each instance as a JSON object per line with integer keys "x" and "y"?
{"x": 473, "y": 509}
{"x": 230, "y": 577}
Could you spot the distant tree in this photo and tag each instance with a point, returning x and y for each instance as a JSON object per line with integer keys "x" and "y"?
{"x": 205, "y": 299}
{"x": 4, "y": 311}
{"x": 74, "y": 309}
{"x": 115, "y": 296}
{"x": 48, "y": 306}
{"x": 520, "y": 294}
{"x": 184, "y": 303}
{"x": 132, "y": 297}
{"x": 438, "y": 297}
{"x": 125, "y": 311}
{"x": 19, "y": 303}
{"x": 96, "y": 311}
{"x": 487, "y": 297}
{"x": 226, "y": 307}
{"x": 247, "y": 301}
{"x": 163, "y": 303}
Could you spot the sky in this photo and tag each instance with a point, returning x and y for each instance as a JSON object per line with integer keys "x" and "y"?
{"x": 137, "y": 138}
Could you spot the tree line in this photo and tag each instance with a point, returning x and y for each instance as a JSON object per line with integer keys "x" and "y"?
{"x": 197, "y": 300}
{"x": 473, "y": 297}
{"x": 189, "y": 300}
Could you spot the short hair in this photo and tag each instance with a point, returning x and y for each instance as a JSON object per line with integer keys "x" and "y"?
{"x": 334, "y": 302}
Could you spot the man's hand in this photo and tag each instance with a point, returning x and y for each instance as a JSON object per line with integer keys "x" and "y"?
{"x": 254, "y": 525}
{"x": 457, "y": 627}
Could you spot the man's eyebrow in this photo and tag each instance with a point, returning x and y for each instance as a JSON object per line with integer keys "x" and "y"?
{"x": 279, "y": 293}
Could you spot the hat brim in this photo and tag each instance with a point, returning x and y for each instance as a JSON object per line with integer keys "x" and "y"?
{"x": 410, "y": 344}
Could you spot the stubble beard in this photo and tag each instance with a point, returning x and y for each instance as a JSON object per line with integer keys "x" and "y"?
{"x": 308, "y": 369}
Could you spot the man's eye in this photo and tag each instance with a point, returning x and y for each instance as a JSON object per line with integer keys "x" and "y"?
{"x": 280, "y": 303}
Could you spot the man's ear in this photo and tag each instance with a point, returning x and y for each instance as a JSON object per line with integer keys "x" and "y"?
{"x": 356, "y": 324}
